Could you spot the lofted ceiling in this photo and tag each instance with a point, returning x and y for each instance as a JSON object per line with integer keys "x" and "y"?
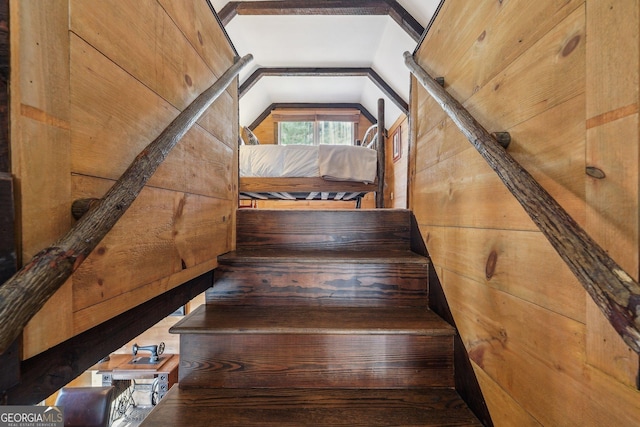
{"x": 325, "y": 59}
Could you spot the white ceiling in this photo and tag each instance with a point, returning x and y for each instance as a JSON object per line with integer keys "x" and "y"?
{"x": 368, "y": 41}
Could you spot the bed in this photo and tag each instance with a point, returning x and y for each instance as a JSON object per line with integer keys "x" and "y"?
{"x": 303, "y": 172}
{"x": 293, "y": 172}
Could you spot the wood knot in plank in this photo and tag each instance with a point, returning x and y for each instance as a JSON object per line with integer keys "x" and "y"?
{"x": 490, "y": 267}
{"x": 571, "y": 45}
{"x": 477, "y": 355}
{"x": 594, "y": 172}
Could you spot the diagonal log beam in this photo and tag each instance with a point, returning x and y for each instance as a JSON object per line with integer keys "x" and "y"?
{"x": 24, "y": 294}
{"x": 325, "y": 72}
{"x": 386, "y": 89}
{"x": 325, "y": 7}
{"x": 613, "y": 290}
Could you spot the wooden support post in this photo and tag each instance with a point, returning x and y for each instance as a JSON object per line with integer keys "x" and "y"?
{"x": 381, "y": 155}
{"x": 24, "y": 294}
{"x": 614, "y": 291}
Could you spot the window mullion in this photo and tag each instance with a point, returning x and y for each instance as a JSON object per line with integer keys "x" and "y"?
{"x": 316, "y": 133}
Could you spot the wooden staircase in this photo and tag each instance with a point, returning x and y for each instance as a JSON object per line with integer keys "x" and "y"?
{"x": 318, "y": 318}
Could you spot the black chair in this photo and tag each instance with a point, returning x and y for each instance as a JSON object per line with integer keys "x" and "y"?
{"x": 86, "y": 406}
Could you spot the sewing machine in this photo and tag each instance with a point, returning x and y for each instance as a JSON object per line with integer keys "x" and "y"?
{"x": 155, "y": 350}
{"x": 123, "y": 372}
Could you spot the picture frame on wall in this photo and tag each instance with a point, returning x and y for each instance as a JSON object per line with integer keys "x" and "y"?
{"x": 397, "y": 145}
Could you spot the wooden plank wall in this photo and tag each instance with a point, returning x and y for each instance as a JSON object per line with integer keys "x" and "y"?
{"x": 562, "y": 78}
{"x": 266, "y": 131}
{"x": 93, "y": 83}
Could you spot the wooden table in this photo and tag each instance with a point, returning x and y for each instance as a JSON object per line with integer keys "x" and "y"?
{"x": 120, "y": 368}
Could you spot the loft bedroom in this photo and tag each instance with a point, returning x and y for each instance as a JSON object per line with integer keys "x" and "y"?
{"x": 343, "y": 60}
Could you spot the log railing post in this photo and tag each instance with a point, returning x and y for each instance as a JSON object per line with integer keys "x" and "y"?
{"x": 381, "y": 155}
{"x": 615, "y": 292}
{"x": 24, "y": 294}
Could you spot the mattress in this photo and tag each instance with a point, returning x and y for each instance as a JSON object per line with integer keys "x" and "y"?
{"x": 331, "y": 162}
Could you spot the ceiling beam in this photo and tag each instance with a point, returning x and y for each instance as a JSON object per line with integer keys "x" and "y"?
{"x": 325, "y": 72}
{"x": 406, "y": 20}
{"x": 303, "y": 105}
{"x": 325, "y": 7}
{"x": 386, "y": 89}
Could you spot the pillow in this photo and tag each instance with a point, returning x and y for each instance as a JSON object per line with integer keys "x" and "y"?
{"x": 251, "y": 138}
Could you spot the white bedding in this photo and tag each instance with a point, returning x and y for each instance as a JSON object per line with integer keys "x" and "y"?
{"x": 331, "y": 162}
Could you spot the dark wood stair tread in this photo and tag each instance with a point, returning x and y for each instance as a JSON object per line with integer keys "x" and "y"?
{"x": 306, "y": 407}
{"x": 373, "y": 256}
{"x": 223, "y": 319}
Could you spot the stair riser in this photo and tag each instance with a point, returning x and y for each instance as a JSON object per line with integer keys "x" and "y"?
{"x": 372, "y": 285}
{"x": 328, "y": 230}
{"x": 315, "y": 361}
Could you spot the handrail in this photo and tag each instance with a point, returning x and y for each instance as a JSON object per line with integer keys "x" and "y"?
{"x": 615, "y": 292}
{"x": 24, "y": 294}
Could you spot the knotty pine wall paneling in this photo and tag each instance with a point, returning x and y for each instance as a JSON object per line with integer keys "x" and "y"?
{"x": 612, "y": 74}
{"x": 267, "y": 131}
{"x": 123, "y": 70}
{"x": 558, "y": 78}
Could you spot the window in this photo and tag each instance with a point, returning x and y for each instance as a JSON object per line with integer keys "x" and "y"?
{"x": 314, "y": 133}
{"x": 296, "y": 133}
{"x": 316, "y": 127}
{"x": 335, "y": 133}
